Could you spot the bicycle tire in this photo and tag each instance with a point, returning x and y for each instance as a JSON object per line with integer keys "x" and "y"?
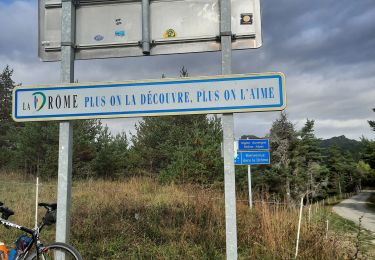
{"x": 48, "y": 252}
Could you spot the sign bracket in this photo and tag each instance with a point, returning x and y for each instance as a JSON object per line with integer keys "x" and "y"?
{"x": 146, "y": 43}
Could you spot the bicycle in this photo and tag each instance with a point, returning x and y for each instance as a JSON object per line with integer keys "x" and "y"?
{"x": 55, "y": 250}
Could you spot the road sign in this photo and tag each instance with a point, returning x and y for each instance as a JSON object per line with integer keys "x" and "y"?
{"x": 120, "y": 28}
{"x": 253, "y": 144}
{"x": 206, "y": 95}
{"x": 252, "y": 158}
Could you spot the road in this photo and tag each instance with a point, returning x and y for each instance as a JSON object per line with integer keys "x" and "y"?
{"x": 355, "y": 207}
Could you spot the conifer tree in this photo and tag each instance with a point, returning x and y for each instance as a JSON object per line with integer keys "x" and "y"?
{"x": 335, "y": 164}
{"x": 372, "y": 123}
{"x": 368, "y": 153}
{"x": 283, "y": 140}
{"x": 178, "y": 148}
{"x": 7, "y": 126}
{"x": 308, "y": 167}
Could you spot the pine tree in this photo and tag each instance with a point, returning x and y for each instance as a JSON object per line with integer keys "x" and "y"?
{"x": 37, "y": 148}
{"x": 85, "y": 136}
{"x": 283, "y": 140}
{"x": 38, "y": 143}
{"x": 7, "y": 126}
{"x": 178, "y": 148}
{"x": 335, "y": 162}
{"x": 112, "y": 156}
{"x": 368, "y": 152}
{"x": 308, "y": 167}
{"x": 371, "y": 122}
{"x": 6, "y": 87}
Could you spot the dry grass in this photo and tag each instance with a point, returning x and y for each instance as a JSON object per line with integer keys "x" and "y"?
{"x": 142, "y": 219}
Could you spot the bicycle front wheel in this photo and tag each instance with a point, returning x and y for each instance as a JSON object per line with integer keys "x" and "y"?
{"x": 58, "y": 251}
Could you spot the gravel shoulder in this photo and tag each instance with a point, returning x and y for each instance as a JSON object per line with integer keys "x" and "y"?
{"x": 355, "y": 207}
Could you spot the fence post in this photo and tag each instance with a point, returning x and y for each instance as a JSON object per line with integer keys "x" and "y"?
{"x": 36, "y": 201}
{"x": 299, "y": 226}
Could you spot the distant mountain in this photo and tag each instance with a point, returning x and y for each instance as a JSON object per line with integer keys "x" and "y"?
{"x": 341, "y": 142}
{"x": 249, "y": 137}
{"x": 344, "y": 144}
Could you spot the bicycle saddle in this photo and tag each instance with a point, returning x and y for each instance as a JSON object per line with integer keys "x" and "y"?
{"x": 48, "y": 206}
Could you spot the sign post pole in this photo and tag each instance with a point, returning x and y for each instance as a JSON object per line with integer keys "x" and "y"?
{"x": 228, "y": 135}
{"x": 250, "y": 192}
{"x": 66, "y": 129}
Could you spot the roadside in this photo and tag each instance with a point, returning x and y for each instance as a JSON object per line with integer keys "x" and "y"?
{"x": 356, "y": 207}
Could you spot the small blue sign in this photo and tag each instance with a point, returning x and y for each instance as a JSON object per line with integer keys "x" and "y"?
{"x": 252, "y": 158}
{"x": 253, "y": 144}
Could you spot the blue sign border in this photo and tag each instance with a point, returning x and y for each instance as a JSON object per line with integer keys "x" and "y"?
{"x": 232, "y": 109}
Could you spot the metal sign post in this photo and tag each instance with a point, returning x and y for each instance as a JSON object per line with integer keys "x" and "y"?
{"x": 66, "y": 130}
{"x": 228, "y": 136}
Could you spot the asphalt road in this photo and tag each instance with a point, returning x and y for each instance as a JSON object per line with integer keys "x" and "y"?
{"x": 355, "y": 207}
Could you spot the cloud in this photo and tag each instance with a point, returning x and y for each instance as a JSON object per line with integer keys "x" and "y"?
{"x": 325, "y": 48}
{"x": 18, "y": 30}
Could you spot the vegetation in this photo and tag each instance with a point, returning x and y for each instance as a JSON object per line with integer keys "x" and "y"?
{"x": 371, "y": 201}
{"x": 354, "y": 147}
{"x": 140, "y": 218}
{"x": 186, "y": 149}
{"x": 159, "y": 192}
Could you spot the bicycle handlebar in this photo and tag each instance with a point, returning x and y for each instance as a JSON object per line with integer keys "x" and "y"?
{"x": 5, "y": 212}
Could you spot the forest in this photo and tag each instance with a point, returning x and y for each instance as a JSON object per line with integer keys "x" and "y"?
{"x": 187, "y": 149}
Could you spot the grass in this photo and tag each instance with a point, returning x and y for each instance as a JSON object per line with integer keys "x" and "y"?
{"x": 142, "y": 219}
{"x": 352, "y": 233}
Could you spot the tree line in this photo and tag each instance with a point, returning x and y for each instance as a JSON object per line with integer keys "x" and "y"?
{"x": 183, "y": 149}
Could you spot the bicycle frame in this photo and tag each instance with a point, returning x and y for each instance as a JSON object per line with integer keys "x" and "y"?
{"x": 33, "y": 232}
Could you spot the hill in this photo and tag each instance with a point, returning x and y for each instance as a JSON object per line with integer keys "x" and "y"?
{"x": 344, "y": 144}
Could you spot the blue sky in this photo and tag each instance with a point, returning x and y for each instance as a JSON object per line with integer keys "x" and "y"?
{"x": 324, "y": 47}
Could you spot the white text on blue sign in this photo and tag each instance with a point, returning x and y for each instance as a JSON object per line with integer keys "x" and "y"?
{"x": 252, "y": 158}
{"x": 253, "y": 144}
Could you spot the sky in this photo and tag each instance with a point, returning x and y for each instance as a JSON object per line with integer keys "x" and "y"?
{"x": 326, "y": 49}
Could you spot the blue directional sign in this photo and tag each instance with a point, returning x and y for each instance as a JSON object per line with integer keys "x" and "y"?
{"x": 253, "y": 144}
{"x": 252, "y": 158}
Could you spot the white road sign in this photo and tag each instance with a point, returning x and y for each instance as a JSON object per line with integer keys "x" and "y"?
{"x": 115, "y": 28}
{"x": 204, "y": 95}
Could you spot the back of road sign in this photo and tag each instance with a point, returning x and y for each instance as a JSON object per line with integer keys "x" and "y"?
{"x": 106, "y": 29}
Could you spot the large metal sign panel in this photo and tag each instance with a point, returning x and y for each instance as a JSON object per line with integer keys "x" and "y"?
{"x": 252, "y": 158}
{"x": 253, "y": 144}
{"x": 204, "y": 95}
{"x": 113, "y": 28}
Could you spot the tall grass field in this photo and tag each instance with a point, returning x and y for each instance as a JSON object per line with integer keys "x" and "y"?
{"x": 142, "y": 219}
